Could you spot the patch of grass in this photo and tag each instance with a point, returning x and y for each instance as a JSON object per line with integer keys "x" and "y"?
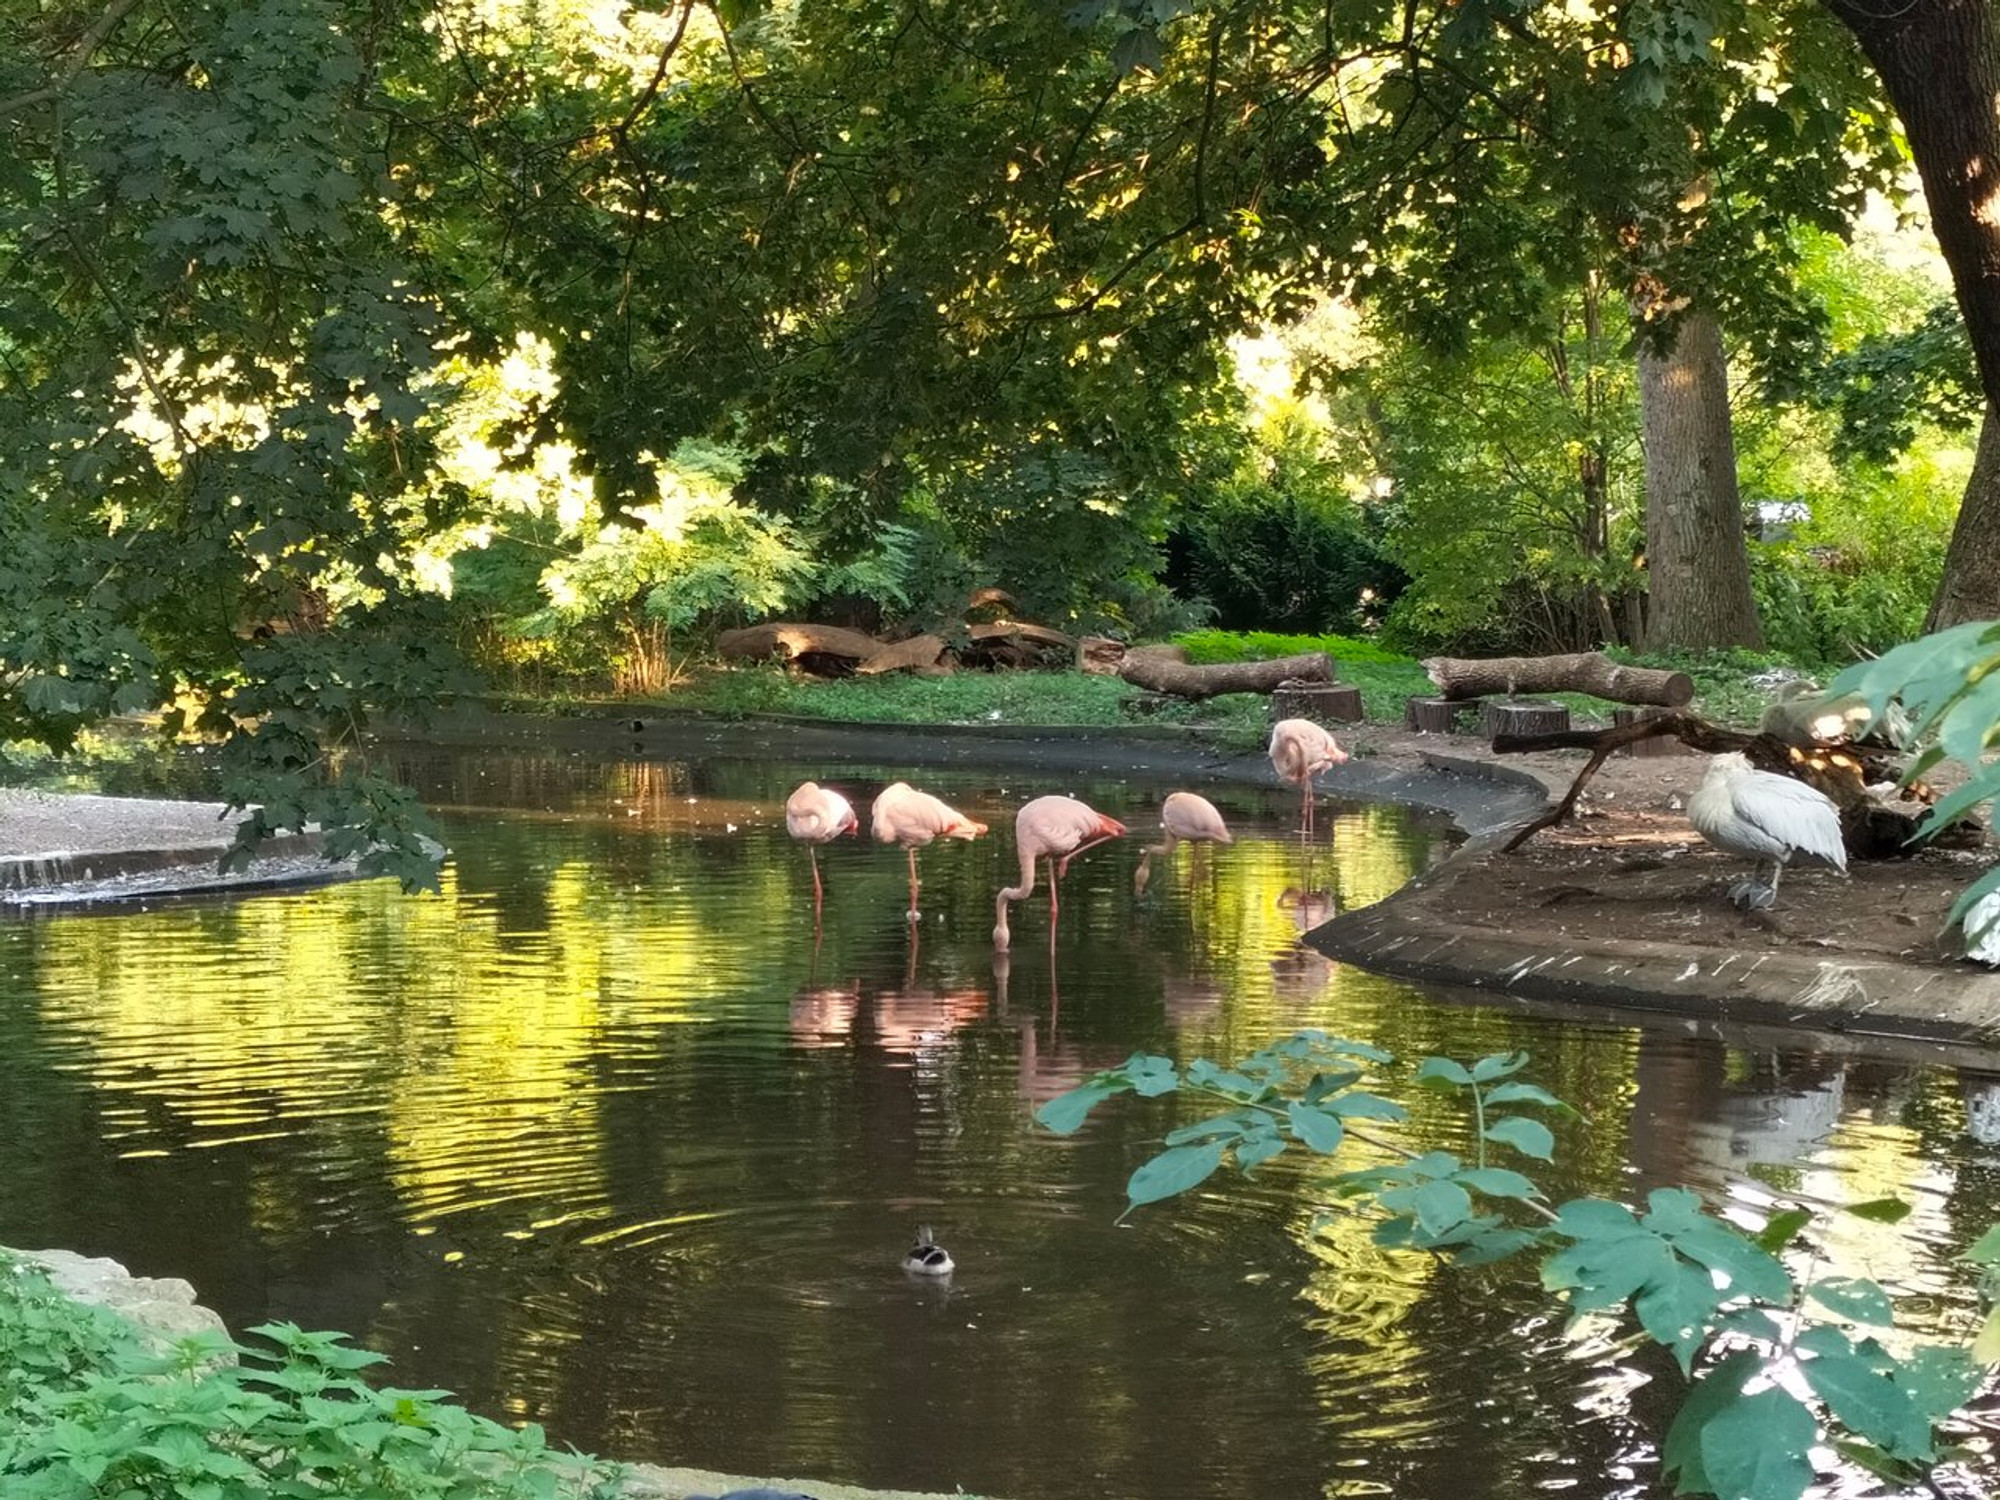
{"x": 1207, "y": 646}
{"x": 898, "y": 698}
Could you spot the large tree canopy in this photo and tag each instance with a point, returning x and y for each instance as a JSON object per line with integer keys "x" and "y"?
{"x": 880, "y": 244}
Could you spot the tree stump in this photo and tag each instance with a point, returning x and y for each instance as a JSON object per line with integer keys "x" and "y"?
{"x": 1442, "y": 715}
{"x": 1523, "y": 716}
{"x": 1659, "y": 744}
{"x": 1321, "y": 702}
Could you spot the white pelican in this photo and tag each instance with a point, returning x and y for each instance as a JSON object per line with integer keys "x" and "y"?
{"x": 1765, "y": 817}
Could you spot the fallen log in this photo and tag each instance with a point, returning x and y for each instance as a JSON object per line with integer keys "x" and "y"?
{"x": 791, "y": 641}
{"x": 917, "y": 654}
{"x": 1148, "y": 670}
{"x": 1584, "y": 672}
{"x": 1099, "y": 655}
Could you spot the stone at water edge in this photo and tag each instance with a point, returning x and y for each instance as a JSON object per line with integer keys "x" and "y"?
{"x": 163, "y": 1307}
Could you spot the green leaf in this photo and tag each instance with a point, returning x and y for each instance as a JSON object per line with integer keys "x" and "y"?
{"x": 1066, "y": 1113}
{"x": 1716, "y": 1392}
{"x": 1782, "y": 1229}
{"x": 1317, "y": 1129}
{"x": 1940, "y": 1378}
{"x": 1880, "y": 1210}
{"x": 1219, "y": 1127}
{"x": 1497, "y": 1182}
{"x": 1854, "y": 1297}
{"x": 1440, "y": 1206}
{"x": 1173, "y": 1171}
{"x": 1498, "y": 1065}
{"x": 1595, "y": 1218}
{"x": 1675, "y": 1306}
{"x": 1524, "y": 1093}
{"x": 1255, "y": 1150}
{"x": 1751, "y": 1271}
{"x": 1756, "y": 1448}
{"x": 1435, "y": 1070}
{"x": 1359, "y": 1105}
{"x": 1986, "y": 1343}
{"x": 1871, "y": 1405}
{"x": 1529, "y": 1137}
{"x": 1985, "y": 1250}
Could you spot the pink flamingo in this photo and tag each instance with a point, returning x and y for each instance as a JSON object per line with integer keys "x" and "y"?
{"x": 903, "y": 815}
{"x": 1187, "y": 819}
{"x": 1300, "y": 750}
{"x": 817, "y": 815}
{"x": 1056, "y": 829}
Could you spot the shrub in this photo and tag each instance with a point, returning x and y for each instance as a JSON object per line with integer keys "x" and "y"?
{"x": 86, "y": 1409}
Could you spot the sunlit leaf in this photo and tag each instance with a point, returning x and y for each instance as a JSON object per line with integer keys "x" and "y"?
{"x": 1871, "y": 1404}
{"x": 1317, "y": 1129}
{"x": 1880, "y": 1210}
{"x": 1854, "y": 1297}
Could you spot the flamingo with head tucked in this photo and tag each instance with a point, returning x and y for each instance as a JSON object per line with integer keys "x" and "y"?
{"x": 1056, "y": 829}
{"x": 1300, "y": 750}
{"x": 1186, "y": 819}
{"x": 816, "y": 815}
{"x": 903, "y": 815}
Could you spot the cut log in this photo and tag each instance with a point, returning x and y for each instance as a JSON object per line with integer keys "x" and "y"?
{"x": 1442, "y": 715}
{"x": 793, "y": 641}
{"x": 1584, "y": 672}
{"x": 1099, "y": 655}
{"x": 1321, "y": 702}
{"x": 1146, "y": 670}
{"x": 1652, "y": 745}
{"x": 1523, "y": 716}
{"x": 1160, "y": 652}
{"x": 914, "y": 655}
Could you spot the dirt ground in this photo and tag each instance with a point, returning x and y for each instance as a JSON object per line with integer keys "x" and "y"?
{"x": 1631, "y": 866}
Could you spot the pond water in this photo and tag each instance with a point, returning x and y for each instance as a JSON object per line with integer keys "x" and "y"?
{"x": 603, "y": 1138}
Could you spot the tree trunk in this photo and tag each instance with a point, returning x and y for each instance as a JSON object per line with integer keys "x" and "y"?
{"x": 1970, "y": 588}
{"x": 1937, "y": 61}
{"x": 1185, "y": 681}
{"x": 1697, "y": 566}
{"x": 1584, "y": 672}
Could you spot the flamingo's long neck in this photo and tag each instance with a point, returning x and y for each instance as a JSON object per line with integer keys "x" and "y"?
{"x": 1002, "y": 934}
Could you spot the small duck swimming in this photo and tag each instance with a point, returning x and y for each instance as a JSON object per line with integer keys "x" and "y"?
{"x": 928, "y": 1257}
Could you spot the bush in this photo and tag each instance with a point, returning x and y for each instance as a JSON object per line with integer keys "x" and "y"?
{"x": 1282, "y": 545}
{"x": 86, "y": 1409}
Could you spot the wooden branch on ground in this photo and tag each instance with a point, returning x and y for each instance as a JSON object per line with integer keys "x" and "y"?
{"x": 1148, "y": 670}
{"x": 1869, "y": 829}
{"x": 1584, "y": 672}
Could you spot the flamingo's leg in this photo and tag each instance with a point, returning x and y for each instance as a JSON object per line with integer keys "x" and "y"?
{"x": 819, "y": 891}
{"x": 914, "y": 883}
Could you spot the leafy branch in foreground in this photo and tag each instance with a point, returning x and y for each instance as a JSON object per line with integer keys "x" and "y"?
{"x": 1776, "y": 1380}
{"x": 1949, "y": 686}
